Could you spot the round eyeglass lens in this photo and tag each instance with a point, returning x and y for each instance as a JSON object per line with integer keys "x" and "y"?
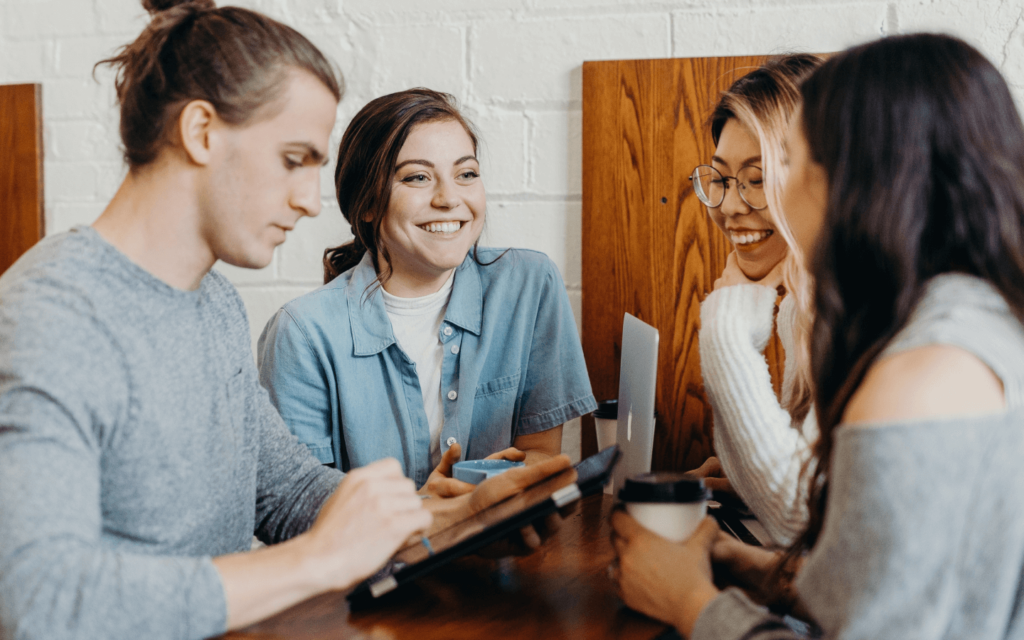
{"x": 709, "y": 185}
{"x": 750, "y": 182}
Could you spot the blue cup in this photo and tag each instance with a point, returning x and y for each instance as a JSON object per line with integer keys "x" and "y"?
{"x": 476, "y": 471}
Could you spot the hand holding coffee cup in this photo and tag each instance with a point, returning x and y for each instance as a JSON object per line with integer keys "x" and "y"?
{"x": 670, "y": 504}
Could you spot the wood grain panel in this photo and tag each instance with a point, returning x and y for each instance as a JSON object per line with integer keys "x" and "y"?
{"x": 649, "y": 247}
{"x": 21, "y": 170}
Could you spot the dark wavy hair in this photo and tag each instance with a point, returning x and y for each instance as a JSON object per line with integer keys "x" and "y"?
{"x": 924, "y": 153}
{"x": 233, "y": 58}
{"x": 366, "y": 166}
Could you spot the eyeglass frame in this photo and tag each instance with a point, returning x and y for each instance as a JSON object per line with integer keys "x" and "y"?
{"x": 726, "y": 180}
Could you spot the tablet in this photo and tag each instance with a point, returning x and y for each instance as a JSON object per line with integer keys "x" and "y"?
{"x": 491, "y": 525}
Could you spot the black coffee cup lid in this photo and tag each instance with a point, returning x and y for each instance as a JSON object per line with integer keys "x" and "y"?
{"x": 607, "y": 410}
{"x": 664, "y": 486}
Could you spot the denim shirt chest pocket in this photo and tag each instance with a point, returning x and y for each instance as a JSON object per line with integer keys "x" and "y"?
{"x": 494, "y": 407}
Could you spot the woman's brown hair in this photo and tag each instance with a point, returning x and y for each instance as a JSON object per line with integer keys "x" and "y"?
{"x": 233, "y": 58}
{"x": 366, "y": 166}
{"x": 923, "y": 148}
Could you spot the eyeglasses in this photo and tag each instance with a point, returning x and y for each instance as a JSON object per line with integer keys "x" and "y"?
{"x": 710, "y": 186}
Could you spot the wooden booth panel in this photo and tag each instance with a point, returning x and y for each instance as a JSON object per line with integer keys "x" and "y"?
{"x": 21, "y": 170}
{"x": 649, "y": 247}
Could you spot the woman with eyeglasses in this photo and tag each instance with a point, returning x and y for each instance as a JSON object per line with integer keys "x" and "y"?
{"x": 905, "y": 194}
{"x": 761, "y": 444}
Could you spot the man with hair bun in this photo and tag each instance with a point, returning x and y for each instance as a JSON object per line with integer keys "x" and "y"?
{"x": 138, "y": 452}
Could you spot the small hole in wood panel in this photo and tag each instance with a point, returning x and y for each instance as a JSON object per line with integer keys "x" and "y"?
{"x": 664, "y": 201}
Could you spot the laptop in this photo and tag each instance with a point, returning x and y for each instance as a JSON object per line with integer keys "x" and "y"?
{"x": 638, "y": 381}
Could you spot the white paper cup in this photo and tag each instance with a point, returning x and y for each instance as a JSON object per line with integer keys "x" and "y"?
{"x": 671, "y": 505}
{"x": 675, "y": 522}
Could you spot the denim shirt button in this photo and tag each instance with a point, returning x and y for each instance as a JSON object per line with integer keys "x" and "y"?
{"x": 453, "y": 394}
{"x": 450, "y": 441}
{"x": 455, "y": 348}
{"x": 447, "y": 331}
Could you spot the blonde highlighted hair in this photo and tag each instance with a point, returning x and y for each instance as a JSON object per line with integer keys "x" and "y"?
{"x": 764, "y": 101}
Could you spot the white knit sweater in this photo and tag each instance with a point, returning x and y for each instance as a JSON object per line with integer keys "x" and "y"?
{"x": 761, "y": 450}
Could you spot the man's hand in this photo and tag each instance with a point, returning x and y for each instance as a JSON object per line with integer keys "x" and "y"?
{"x": 372, "y": 513}
{"x": 441, "y": 484}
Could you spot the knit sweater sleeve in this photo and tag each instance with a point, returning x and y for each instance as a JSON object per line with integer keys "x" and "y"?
{"x": 759, "y": 448}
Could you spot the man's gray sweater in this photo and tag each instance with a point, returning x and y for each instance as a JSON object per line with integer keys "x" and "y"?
{"x": 135, "y": 444}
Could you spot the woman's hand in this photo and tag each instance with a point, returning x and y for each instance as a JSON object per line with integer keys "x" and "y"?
{"x": 441, "y": 484}
{"x": 733, "y": 275}
{"x": 497, "y": 489}
{"x": 714, "y": 475}
{"x": 754, "y": 570}
{"x": 669, "y": 581}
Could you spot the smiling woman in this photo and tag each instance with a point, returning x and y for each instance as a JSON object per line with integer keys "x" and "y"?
{"x": 422, "y": 345}
{"x": 760, "y": 441}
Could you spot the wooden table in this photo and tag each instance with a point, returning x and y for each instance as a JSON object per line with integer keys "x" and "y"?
{"x": 560, "y": 591}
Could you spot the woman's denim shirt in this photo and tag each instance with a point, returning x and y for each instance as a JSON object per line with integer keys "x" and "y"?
{"x": 512, "y": 365}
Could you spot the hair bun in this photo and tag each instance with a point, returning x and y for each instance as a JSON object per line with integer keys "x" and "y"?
{"x": 156, "y": 6}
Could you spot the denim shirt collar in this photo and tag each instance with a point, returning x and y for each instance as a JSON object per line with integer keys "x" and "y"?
{"x": 371, "y": 328}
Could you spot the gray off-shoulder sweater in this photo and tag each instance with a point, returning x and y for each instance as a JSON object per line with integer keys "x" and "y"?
{"x": 924, "y": 530}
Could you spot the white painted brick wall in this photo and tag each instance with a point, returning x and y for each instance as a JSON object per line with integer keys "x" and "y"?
{"x": 514, "y": 64}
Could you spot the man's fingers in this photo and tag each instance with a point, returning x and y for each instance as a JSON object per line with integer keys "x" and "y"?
{"x": 384, "y": 468}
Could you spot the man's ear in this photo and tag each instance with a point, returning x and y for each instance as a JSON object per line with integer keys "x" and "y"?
{"x": 195, "y": 123}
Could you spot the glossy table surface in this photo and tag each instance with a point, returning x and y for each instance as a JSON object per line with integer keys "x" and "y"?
{"x": 560, "y": 591}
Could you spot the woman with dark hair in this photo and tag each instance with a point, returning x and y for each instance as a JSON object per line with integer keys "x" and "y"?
{"x": 906, "y": 192}
{"x": 760, "y": 443}
{"x": 420, "y": 345}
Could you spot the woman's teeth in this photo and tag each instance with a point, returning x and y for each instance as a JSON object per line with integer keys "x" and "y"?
{"x": 442, "y": 227}
{"x": 749, "y": 237}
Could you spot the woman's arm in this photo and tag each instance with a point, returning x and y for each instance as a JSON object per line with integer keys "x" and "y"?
{"x": 540, "y": 446}
{"x": 761, "y": 452}
{"x": 291, "y": 372}
{"x": 936, "y": 381}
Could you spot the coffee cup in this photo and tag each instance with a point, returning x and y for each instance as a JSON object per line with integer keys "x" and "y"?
{"x": 670, "y": 504}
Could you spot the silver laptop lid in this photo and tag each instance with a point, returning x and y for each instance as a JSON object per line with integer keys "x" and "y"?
{"x": 638, "y": 377}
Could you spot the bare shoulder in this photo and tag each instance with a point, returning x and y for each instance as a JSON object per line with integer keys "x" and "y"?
{"x": 935, "y": 381}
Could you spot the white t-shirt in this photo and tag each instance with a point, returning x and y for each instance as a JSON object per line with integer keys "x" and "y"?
{"x": 417, "y": 326}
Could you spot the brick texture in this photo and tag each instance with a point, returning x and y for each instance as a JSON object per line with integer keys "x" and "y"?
{"x": 514, "y": 64}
